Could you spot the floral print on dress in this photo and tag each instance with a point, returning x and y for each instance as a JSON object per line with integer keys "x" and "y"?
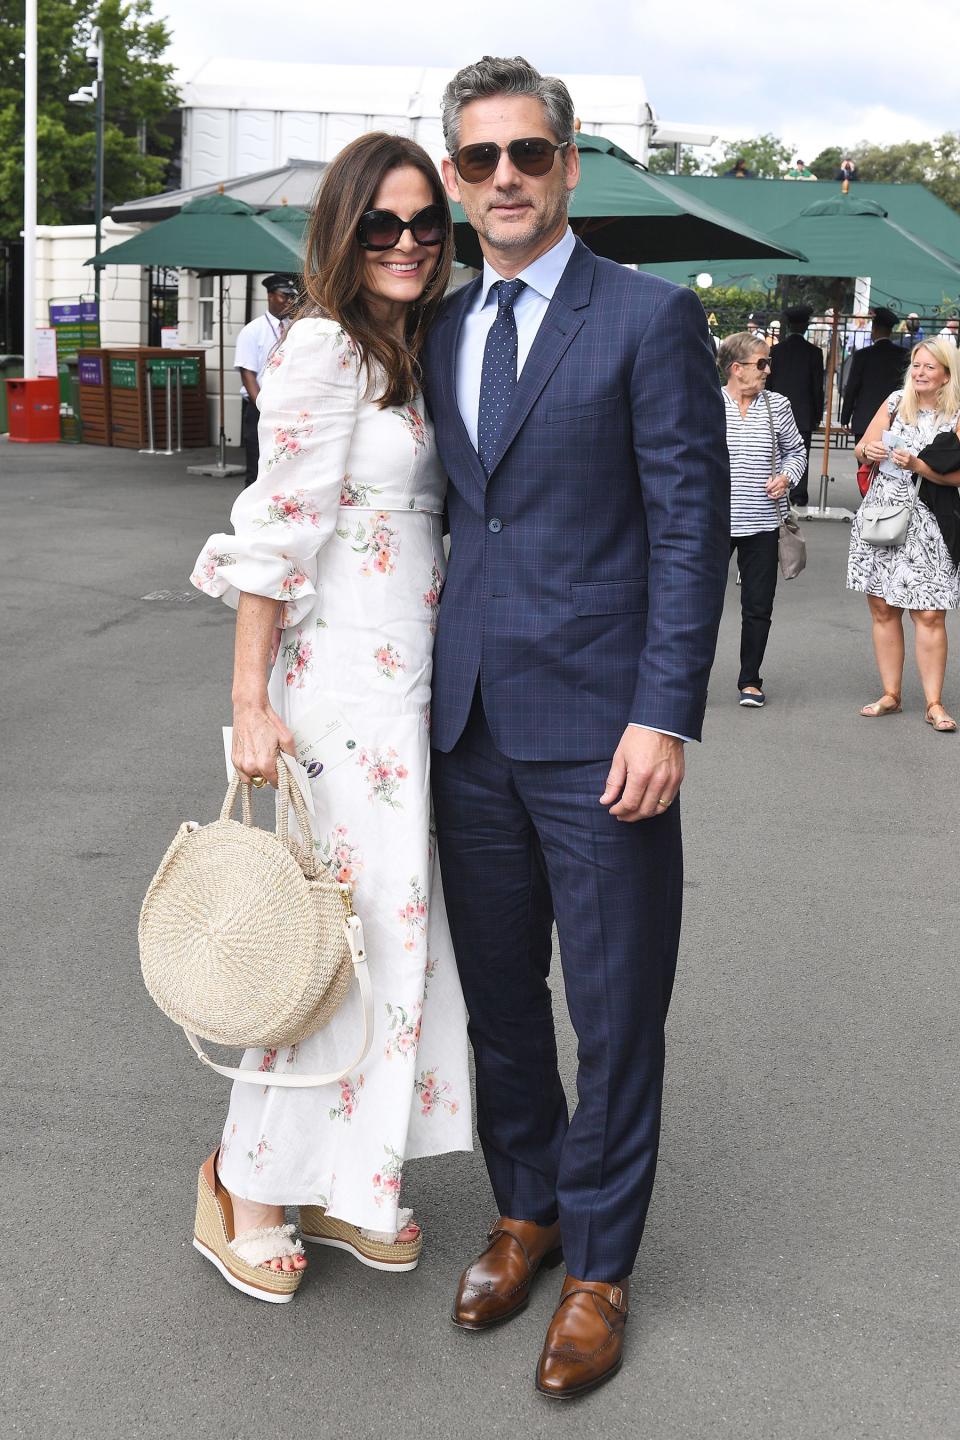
{"x": 295, "y": 509}
{"x": 378, "y": 542}
{"x": 211, "y": 561}
{"x": 431, "y": 597}
{"x": 434, "y": 1094}
{"x": 339, "y": 857}
{"x": 259, "y": 1154}
{"x": 388, "y": 662}
{"x": 413, "y": 915}
{"x": 346, "y": 350}
{"x": 386, "y": 1182}
{"x": 430, "y": 970}
{"x": 384, "y": 775}
{"x": 269, "y": 1061}
{"x": 414, "y": 422}
{"x": 287, "y": 439}
{"x": 404, "y": 1028}
{"x": 354, "y": 492}
{"x": 348, "y": 1100}
{"x": 298, "y": 658}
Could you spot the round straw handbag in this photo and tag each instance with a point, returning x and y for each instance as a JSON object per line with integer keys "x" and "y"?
{"x": 244, "y": 943}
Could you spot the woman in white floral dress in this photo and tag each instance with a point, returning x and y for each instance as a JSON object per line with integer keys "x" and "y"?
{"x": 920, "y": 575}
{"x": 339, "y": 545}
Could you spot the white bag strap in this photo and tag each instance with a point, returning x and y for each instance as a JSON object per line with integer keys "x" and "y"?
{"x": 358, "y": 955}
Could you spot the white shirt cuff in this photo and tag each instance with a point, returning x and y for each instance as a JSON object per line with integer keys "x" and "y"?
{"x": 685, "y": 738}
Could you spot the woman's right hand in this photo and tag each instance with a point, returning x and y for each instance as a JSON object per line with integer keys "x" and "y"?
{"x": 874, "y": 450}
{"x": 258, "y": 733}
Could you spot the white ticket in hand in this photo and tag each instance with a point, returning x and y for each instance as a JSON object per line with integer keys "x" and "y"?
{"x": 323, "y": 740}
{"x": 299, "y": 772}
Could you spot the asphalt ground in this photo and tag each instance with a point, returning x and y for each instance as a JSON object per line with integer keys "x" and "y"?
{"x": 798, "y": 1277}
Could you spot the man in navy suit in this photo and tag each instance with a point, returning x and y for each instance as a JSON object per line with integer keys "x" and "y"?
{"x": 578, "y": 414}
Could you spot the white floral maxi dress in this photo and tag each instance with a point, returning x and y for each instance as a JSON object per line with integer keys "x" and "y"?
{"x": 344, "y": 526}
{"x": 920, "y": 573}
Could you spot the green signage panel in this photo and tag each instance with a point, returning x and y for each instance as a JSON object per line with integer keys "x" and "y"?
{"x": 123, "y": 374}
{"x": 189, "y": 367}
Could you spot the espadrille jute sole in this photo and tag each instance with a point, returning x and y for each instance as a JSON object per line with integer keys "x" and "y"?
{"x": 316, "y": 1228}
{"x": 212, "y": 1238}
{"x": 257, "y": 1291}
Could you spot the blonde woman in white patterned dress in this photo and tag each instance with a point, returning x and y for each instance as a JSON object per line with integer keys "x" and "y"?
{"x": 336, "y": 567}
{"x": 920, "y": 575}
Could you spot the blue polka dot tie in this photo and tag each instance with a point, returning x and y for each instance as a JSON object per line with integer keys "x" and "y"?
{"x": 498, "y": 378}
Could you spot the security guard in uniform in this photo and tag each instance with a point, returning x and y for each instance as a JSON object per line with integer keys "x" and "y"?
{"x": 255, "y": 344}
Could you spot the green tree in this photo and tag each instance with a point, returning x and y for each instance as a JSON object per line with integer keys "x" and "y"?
{"x": 661, "y": 160}
{"x": 140, "y": 95}
{"x": 765, "y": 155}
{"x": 827, "y": 163}
{"x": 934, "y": 163}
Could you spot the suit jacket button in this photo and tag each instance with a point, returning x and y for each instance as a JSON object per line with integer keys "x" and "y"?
{"x": 494, "y": 526}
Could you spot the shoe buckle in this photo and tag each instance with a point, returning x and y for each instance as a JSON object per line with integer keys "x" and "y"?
{"x": 616, "y": 1297}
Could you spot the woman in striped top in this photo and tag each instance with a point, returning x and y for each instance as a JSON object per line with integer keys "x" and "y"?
{"x": 767, "y": 459}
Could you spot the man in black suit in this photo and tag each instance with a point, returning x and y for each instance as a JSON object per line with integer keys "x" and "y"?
{"x": 875, "y": 371}
{"x": 796, "y": 370}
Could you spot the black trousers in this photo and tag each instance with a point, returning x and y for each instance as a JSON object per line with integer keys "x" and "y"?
{"x": 758, "y": 559}
{"x": 801, "y": 496}
{"x": 249, "y": 419}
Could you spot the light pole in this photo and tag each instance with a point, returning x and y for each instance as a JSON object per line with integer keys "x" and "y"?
{"x": 30, "y": 189}
{"x": 90, "y": 95}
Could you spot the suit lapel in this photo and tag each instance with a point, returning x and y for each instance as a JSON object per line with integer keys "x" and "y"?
{"x": 557, "y": 331}
{"x": 446, "y": 346}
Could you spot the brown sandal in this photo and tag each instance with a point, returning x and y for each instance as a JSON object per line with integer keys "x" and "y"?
{"x": 945, "y": 725}
{"x": 877, "y": 709}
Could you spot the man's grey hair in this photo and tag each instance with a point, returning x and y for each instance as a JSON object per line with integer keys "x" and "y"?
{"x": 737, "y": 350}
{"x": 495, "y": 76}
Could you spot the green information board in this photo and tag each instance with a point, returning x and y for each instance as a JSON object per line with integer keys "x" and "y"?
{"x": 189, "y": 368}
{"x": 123, "y": 374}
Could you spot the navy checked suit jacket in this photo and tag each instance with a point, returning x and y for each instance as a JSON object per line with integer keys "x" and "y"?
{"x": 586, "y": 575}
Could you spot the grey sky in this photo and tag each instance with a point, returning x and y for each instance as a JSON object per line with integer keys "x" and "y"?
{"x": 823, "y": 71}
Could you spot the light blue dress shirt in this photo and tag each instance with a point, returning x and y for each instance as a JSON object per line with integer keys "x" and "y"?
{"x": 542, "y": 278}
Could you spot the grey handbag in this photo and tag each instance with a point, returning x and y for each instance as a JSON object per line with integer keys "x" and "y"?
{"x": 791, "y": 546}
{"x": 887, "y": 525}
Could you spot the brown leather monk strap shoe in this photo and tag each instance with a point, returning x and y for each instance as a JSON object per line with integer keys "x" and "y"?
{"x": 584, "y": 1344}
{"x": 497, "y": 1284}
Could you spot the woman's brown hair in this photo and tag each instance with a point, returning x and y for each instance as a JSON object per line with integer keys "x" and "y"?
{"x": 334, "y": 267}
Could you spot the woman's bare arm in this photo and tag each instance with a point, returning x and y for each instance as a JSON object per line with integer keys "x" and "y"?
{"x": 258, "y": 731}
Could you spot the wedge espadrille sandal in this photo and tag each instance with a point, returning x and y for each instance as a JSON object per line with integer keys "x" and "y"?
{"x": 240, "y": 1258}
{"x": 370, "y": 1247}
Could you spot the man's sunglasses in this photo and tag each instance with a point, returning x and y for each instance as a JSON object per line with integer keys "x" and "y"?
{"x": 381, "y": 229}
{"x": 531, "y": 157}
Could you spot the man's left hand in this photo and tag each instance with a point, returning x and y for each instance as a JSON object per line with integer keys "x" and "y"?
{"x": 645, "y": 774}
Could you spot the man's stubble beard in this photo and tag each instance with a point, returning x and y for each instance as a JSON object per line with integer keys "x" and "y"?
{"x": 515, "y": 238}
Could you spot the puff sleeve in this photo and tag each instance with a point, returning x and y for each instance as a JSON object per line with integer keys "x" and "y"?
{"x": 308, "y": 410}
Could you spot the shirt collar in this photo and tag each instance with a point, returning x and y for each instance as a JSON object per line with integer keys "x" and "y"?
{"x": 542, "y": 275}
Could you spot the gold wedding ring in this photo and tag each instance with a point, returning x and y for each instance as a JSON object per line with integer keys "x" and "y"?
{"x": 664, "y": 803}
{"x": 258, "y": 781}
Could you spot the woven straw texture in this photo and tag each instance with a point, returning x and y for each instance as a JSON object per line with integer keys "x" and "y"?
{"x": 315, "y": 1222}
{"x": 239, "y": 945}
{"x": 211, "y": 1231}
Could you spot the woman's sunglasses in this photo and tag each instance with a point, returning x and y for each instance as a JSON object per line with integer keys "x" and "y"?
{"x": 381, "y": 229}
{"x": 762, "y": 364}
{"x": 531, "y": 157}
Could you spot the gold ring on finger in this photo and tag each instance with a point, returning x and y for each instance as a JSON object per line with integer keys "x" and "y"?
{"x": 664, "y": 803}
{"x": 258, "y": 781}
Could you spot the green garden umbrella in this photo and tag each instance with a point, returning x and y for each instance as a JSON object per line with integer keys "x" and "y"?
{"x": 843, "y": 237}
{"x": 624, "y": 213}
{"x": 216, "y": 235}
